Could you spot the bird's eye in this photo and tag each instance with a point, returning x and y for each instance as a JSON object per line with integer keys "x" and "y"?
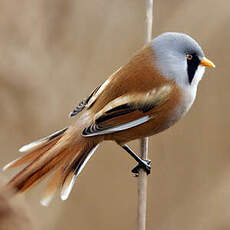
{"x": 189, "y": 56}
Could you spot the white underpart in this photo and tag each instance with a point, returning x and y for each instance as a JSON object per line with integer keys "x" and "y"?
{"x": 67, "y": 191}
{"x": 198, "y": 75}
{"x": 190, "y": 90}
{"x": 189, "y": 95}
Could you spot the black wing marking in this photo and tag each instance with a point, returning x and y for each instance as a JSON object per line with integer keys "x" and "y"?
{"x": 96, "y": 129}
{"x": 115, "y": 112}
{"x": 79, "y": 108}
{"x": 125, "y": 109}
{"x": 83, "y": 104}
{"x": 144, "y": 103}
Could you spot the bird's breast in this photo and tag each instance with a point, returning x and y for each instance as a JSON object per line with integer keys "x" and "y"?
{"x": 185, "y": 101}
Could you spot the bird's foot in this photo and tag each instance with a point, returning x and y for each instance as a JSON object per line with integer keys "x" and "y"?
{"x": 145, "y": 164}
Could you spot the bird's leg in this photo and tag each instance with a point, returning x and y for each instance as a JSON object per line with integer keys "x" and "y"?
{"x": 144, "y": 164}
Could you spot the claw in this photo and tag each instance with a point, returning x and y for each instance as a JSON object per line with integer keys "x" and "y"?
{"x": 144, "y": 165}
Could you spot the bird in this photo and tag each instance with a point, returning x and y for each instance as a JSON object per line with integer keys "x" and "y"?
{"x": 146, "y": 96}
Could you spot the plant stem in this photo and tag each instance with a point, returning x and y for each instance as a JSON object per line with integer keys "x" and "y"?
{"x": 142, "y": 178}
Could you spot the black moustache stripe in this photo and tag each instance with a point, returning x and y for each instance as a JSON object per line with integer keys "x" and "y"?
{"x": 192, "y": 67}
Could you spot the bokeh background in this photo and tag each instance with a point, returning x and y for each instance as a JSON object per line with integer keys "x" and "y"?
{"x": 53, "y": 53}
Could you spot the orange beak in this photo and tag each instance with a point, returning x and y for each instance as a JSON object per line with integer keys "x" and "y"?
{"x": 205, "y": 62}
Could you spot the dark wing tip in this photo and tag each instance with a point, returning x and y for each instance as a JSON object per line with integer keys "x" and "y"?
{"x": 79, "y": 108}
{"x": 72, "y": 114}
{"x": 92, "y": 130}
{"x": 84, "y": 132}
{"x": 58, "y": 133}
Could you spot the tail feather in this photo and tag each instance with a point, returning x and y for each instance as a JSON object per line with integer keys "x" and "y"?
{"x": 56, "y": 181}
{"x": 36, "y": 150}
{"x": 42, "y": 142}
{"x": 35, "y": 172}
{"x": 52, "y": 187}
{"x": 67, "y": 185}
{"x": 74, "y": 171}
{"x": 64, "y": 152}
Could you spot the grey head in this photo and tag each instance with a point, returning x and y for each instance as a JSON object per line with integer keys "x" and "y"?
{"x": 179, "y": 57}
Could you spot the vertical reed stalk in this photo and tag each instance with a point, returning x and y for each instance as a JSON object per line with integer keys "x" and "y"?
{"x": 142, "y": 178}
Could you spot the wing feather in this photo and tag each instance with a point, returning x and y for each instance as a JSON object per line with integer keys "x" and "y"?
{"x": 83, "y": 103}
{"x": 88, "y": 102}
{"x": 128, "y": 111}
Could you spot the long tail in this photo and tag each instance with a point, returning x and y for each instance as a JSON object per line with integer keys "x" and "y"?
{"x": 65, "y": 152}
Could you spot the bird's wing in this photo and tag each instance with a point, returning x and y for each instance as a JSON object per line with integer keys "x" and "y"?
{"x": 88, "y": 102}
{"x": 128, "y": 111}
{"x": 84, "y": 103}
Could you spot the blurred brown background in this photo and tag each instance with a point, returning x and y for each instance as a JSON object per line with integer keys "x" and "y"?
{"x": 53, "y": 53}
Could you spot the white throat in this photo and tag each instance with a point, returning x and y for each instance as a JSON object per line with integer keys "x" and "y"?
{"x": 198, "y": 76}
{"x": 190, "y": 90}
